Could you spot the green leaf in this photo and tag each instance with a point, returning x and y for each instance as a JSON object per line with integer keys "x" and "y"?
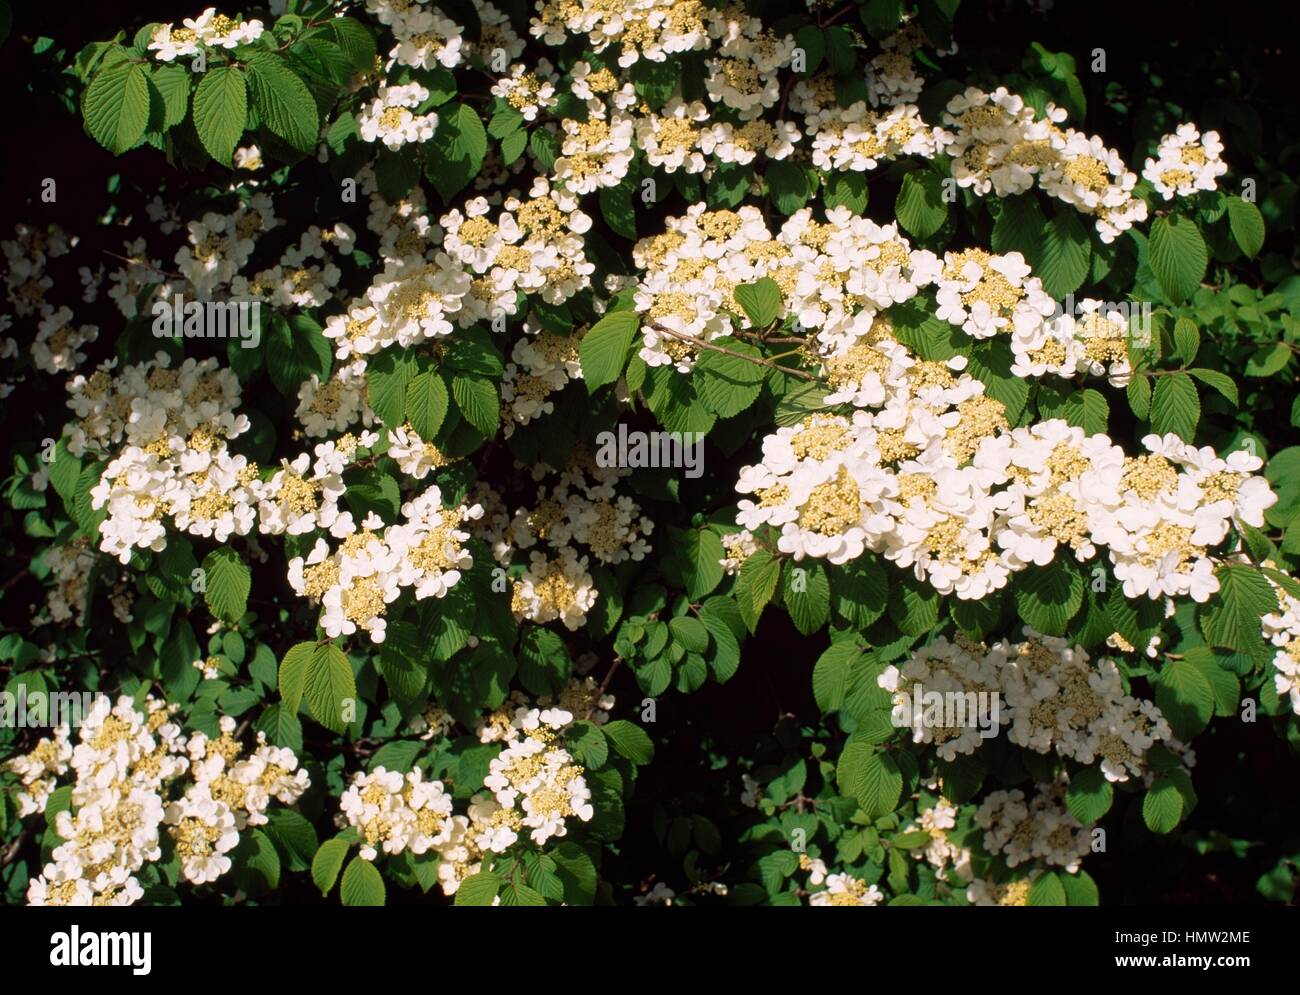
{"x": 630, "y": 741}
{"x": 1268, "y": 360}
{"x": 1185, "y": 697}
{"x": 327, "y": 863}
{"x": 701, "y": 557}
{"x": 1247, "y": 225}
{"x": 295, "y": 836}
{"x": 1089, "y": 795}
{"x": 1080, "y": 889}
{"x": 761, "y": 301}
{"x": 356, "y": 41}
{"x": 387, "y": 376}
{"x": 1162, "y": 806}
{"x": 871, "y": 778}
{"x": 295, "y": 349}
{"x": 576, "y": 872}
{"x": 832, "y": 674}
{"x": 427, "y": 402}
{"x": 728, "y": 384}
{"x": 1221, "y": 382}
{"x": 116, "y": 106}
{"x": 1019, "y": 226}
{"x": 228, "y": 582}
{"x": 756, "y": 585}
{"x": 807, "y": 595}
{"x": 220, "y": 109}
{"x": 1063, "y": 255}
{"x": 603, "y": 351}
{"x": 1176, "y": 406}
{"x": 617, "y": 207}
{"x": 282, "y": 101}
{"x": 1048, "y": 597}
{"x": 690, "y": 633}
{"x": 1177, "y": 256}
{"x": 920, "y": 206}
{"x": 1047, "y": 890}
{"x": 788, "y": 186}
{"x": 1187, "y": 340}
{"x": 328, "y": 685}
{"x": 478, "y": 889}
{"x": 477, "y": 399}
{"x": 362, "y": 884}
{"x": 173, "y": 85}
{"x": 1231, "y": 618}
{"x": 544, "y": 664}
{"x": 846, "y": 190}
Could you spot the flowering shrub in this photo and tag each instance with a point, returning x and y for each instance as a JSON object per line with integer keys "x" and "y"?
{"x": 477, "y": 416}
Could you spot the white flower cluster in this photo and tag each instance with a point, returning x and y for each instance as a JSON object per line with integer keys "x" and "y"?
{"x": 391, "y": 117}
{"x": 846, "y": 890}
{"x": 305, "y": 276}
{"x": 950, "y": 861}
{"x": 425, "y": 36}
{"x": 58, "y": 341}
{"x": 1282, "y": 629}
{"x": 1001, "y": 146}
{"x": 372, "y": 565}
{"x": 127, "y": 760}
{"x": 1041, "y": 828}
{"x": 220, "y": 245}
{"x": 1049, "y": 693}
{"x": 175, "y": 464}
{"x": 834, "y": 277}
{"x": 397, "y": 813}
{"x": 208, "y": 30}
{"x": 542, "y": 363}
{"x": 534, "y": 785}
{"x": 528, "y": 90}
{"x": 650, "y": 29}
{"x": 1186, "y": 162}
{"x": 938, "y": 482}
{"x": 582, "y": 507}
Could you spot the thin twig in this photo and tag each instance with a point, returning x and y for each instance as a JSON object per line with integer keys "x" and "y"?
{"x": 691, "y": 339}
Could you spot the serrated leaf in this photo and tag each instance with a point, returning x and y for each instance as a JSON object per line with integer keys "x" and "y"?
{"x": 728, "y": 384}
{"x": 228, "y": 583}
{"x": 1162, "y": 806}
{"x": 1048, "y": 597}
{"x": 115, "y": 106}
{"x": 327, "y": 863}
{"x": 284, "y": 104}
{"x": 603, "y": 351}
{"x": 1089, "y": 795}
{"x": 477, "y": 399}
{"x": 760, "y": 300}
{"x": 1247, "y": 226}
{"x": 1177, "y": 256}
{"x": 362, "y": 884}
{"x": 1176, "y": 406}
{"x": 629, "y": 740}
{"x": 1185, "y": 697}
{"x": 1063, "y": 255}
{"x": 427, "y": 402}
{"x": 920, "y": 206}
{"x": 220, "y": 110}
{"x": 872, "y": 779}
